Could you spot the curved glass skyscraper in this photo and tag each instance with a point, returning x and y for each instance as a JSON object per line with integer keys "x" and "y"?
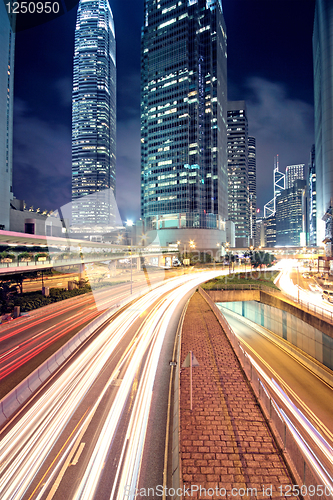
{"x": 94, "y": 118}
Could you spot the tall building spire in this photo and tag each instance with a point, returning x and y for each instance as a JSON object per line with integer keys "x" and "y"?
{"x": 94, "y": 118}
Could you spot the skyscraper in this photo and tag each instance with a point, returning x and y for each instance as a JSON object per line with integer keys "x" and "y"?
{"x": 279, "y": 184}
{"x": 184, "y": 117}
{"x": 312, "y": 199}
{"x": 294, "y": 172}
{"x": 7, "y": 41}
{"x": 289, "y": 214}
{"x": 94, "y": 118}
{"x": 238, "y": 171}
{"x": 252, "y": 185}
{"x": 323, "y": 111}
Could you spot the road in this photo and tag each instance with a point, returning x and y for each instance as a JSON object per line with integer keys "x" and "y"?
{"x": 297, "y": 289}
{"x": 25, "y": 338}
{"x": 97, "y": 429}
{"x": 311, "y": 395}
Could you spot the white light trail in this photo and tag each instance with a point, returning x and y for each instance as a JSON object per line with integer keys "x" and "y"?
{"x": 28, "y": 444}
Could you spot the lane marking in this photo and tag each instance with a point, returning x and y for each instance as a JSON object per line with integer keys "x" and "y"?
{"x": 166, "y": 449}
{"x": 78, "y": 454}
{"x": 56, "y": 458}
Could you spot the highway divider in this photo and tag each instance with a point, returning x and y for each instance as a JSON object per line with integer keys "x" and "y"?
{"x": 307, "y": 470}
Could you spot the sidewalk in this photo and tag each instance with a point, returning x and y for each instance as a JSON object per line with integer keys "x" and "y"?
{"x": 225, "y": 441}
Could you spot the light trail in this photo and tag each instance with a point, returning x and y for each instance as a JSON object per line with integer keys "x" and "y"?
{"x": 18, "y": 355}
{"x": 28, "y": 444}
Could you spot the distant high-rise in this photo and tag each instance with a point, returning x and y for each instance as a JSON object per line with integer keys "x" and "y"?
{"x": 312, "y": 199}
{"x": 184, "y": 117}
{"x": 7, "y": 41}
{"x": 252, "y": 165}
{"x": 289, "y": 215}
{"x": 94, "y": 118}
{"x": 279, "y": 185}
{"x": 238, "y": 171}
{"x": 294, "y": 172}
{"x": 323, "y": 112}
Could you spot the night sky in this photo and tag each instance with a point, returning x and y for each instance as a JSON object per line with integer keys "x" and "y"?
{"x": 269, "y": 66}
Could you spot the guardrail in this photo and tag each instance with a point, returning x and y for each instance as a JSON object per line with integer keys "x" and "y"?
{"x": 226, "y": 287}
{"x": 311, "y": 477}
{"x": 134, "y": 254}
{"x": 312, "y": 308}
{"x": 305, "y": 305}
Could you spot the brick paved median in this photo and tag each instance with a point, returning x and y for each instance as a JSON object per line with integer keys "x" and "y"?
{"x": 225, "y": 441}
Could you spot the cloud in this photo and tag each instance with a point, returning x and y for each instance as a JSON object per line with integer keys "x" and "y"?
{"x": 129, "y": 96}
{"x": 42, "y": 160}
{"x": 282, "y": 126}
{"x": 64, "y": 88}
{"x": 128, "y": 169}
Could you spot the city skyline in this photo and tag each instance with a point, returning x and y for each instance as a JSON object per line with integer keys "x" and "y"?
{"x": 281, "y": 100}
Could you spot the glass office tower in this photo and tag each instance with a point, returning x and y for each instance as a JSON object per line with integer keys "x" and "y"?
{"x": 7, "y": 41}
{"x": 184, "y": 115}
{"x": 252, "y": 163}
{"x": 238, "y": 171}
{"x": 312, "y": 197}
{"x": 94, "y": 118}
{"x": 294, "y": 172}
{"x": 323, "y": 111}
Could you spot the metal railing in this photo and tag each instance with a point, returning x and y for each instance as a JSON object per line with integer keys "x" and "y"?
{"x": 315, "y": 309}
{"x": 319, "y": 311}
{"x": 226, "y": 287}
{"x": 49, "y": 262}
{"x": 313, "y": 480}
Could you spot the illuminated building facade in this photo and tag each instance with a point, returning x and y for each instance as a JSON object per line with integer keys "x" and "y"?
{"x": 322, "y": 42}
{"x": 184, "y": 115}
{"x": 238, "y": 171}
{"x": 312, "y": 199}
{"x": 7, "y": 42}
{"x": 252, "y": 165}
{"x": 94, "y": 118}
{"x": 289, "y": 214}
{"x": 294, "y": 172}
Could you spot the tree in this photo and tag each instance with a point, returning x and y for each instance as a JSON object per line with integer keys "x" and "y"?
{"x": 7, "y": 292}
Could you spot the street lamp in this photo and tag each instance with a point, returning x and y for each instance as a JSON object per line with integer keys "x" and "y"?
{"x": 129, "y": 223}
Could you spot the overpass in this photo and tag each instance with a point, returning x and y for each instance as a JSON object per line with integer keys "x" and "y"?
{"x": 65, "y": 252}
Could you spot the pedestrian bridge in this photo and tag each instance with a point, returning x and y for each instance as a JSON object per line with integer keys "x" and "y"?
{"x": 65, "y": 252}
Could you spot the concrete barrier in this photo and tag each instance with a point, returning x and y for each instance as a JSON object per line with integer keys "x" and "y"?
{"x": 302, "y": 339}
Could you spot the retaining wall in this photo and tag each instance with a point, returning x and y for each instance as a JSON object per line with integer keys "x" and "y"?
{"x": 299, "y": 333}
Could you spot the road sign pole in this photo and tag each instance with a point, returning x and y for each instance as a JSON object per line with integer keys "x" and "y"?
{"x": 191, "y": 379}
{"x": 190, "y": 362}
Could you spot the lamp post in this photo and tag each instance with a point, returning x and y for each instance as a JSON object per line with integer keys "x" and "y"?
{"x": 129, "y": 223}
{"x": 131, "y": 268}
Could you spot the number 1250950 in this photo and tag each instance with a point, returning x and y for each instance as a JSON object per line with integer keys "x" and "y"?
{"x": 33, "y": 7}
